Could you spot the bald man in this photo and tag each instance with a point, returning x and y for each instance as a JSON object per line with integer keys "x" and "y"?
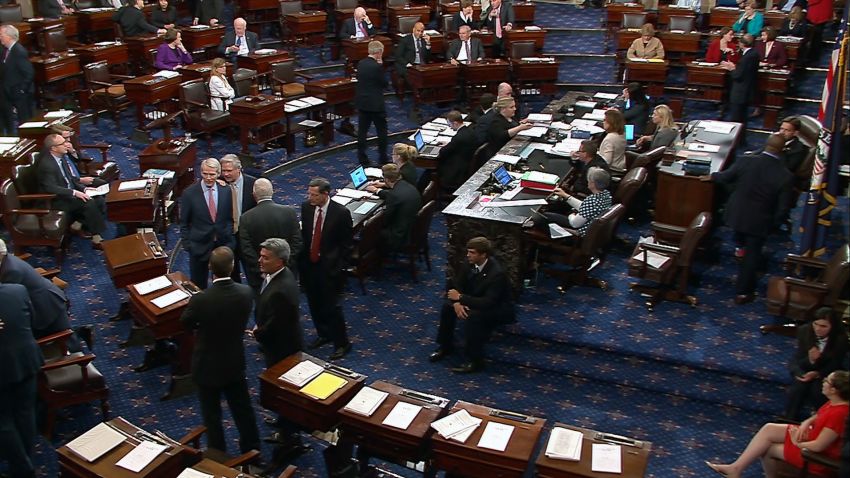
{"x": 413, "y": 49}
{"x": 238, "y": 42}
{"x": 359, "y": 26}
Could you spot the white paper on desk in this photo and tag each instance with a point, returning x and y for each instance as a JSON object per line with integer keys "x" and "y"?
{"x": 532, "y": 28}
{"x": 9, "y": 139}
{"x": 6, "y": 147}
{"x": 366, "y": 401}
{"x": 199, "y": 27}
{"x": 312, "y": 100}
{"x": 101, "y": 190}
{"x": 448, "y": 132}
{"x": 341, "y": 200}
{"x": 464, "y": 435}
{"x": 353, "y": 193}
{"x": 373, "y": 172}
{"x": 440, "y": 121}
{"x": 521, "y": 202}
{"x": 708, "y": 148}
{"x": 567, "y": 146}
{"x": 506, "y": 158}
{"x": 534, "y": 132}
{"x": 33, "y": 124}
{"x": 298, "y": 103}
{"x": 586, "y": 104}
{"x": 170, "y": 298}
{"x": 456, "y": 423}
{"x": 193, "y": 473}
{"x": 564, "y": 444}
{"x": 152, "y": 285}
{"x": 166, "y": 74}
{"x": 58, "y": 113}
{"x": 540, "y": 117}
{"x": 560, "y": 125}
{"x": 365, "y": 207}
{"x": 431, "y": 32}
{"x": 289, "y": 108}
{"x": 141, "y": 456}
{"x": 433, "y": 126}
{"x": 510, "y": 194}
{"x": 265, "y": 51}
{"x": 716, "y": 126}
{"x": 96, "y": 442}
{"x": 606, "y": 458}
{"x": 653, "y": 259}
{"x": 402, "y": 415}
{"x": 598, "y": 114}
{"x": 606, "y": 96}
{"x": 302, "y": 373}
{"x": 308, "y": 123}
{"x": 496, "y": 436}
{"x": 132, "y": 185}
{"x": 557, "y": 232}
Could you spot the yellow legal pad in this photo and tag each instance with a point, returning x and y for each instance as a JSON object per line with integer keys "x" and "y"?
{"x": 324, "y": 386}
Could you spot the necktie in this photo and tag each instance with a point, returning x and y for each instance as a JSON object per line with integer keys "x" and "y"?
{"x": 468, "y": 58}
{"x": 316, "y": 243}
{"x": 235, "y": 203}
{"x": 498, "y": 23}
{"x": 265, "y": 283}
{"x": 75, "y": 173}
{"x": 211, "y": 204}
{"x": 6, "y": 55}
{"x": 66, "y": 174}
{"x": 239, "y": 42}
{"x": 362, "y": 29}
{"x": 418, "y": 47}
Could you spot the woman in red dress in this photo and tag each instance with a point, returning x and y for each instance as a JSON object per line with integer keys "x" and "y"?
{"x": 723, "y": 48}
{"x": 821, "y": 433}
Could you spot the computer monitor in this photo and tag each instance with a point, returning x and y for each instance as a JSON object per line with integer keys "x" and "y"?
{"x": 630, "y": 132}
{"x": 501, "y": 176}
{"x": 358, "y": 177}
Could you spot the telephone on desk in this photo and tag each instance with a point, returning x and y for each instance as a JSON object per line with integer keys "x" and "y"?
{"x": 156, "y": 249}
{"x": 190, "y": 287}
{"x": 168, "y": 144}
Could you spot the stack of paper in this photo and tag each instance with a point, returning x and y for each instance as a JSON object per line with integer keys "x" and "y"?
{"x": 496, "y": 436}
{"x": 716, "y": 126}
{"x": 58, "y": 113}
{"x": 302, "y": 373}
{"x": 152, "y": 285}
{"x": 564, "y": 444}
{"x": 166, "y": 74}
{"x": 312, "y": 100}
{"x": 170, "y": 298}
{"x": 132, "y": 185}
{"x": 606, "y": 458}
{"x": 94, "y": 443}
{"x": 141, "y": 456}
{"x": 324, "y": 386}
{"x": 366, "y": 401}
{"x": 265, "y": 51}
{"x": 539, "y": 118}
{"x": 710, "y": 148}
{"x": 353, "y": 193}
{"x": 458, "y": 426}
{"x": 193, "y": 473}
{"x": 402, "y": 415}
{"x": 606, "y": 96}
{"x": 506, "y": 158}
{"x": 534, "y": 132}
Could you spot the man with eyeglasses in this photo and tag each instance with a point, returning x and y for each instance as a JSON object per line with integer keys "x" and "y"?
{"x": 74, "y": 159}
{"x": 55, "y": 176}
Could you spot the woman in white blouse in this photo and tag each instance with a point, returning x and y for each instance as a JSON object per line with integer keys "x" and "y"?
{"x": 221, "y": 93}
{"x": 613, "y": 146}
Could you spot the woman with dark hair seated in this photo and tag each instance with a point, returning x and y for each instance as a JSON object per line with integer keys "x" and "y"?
{"x": 171, "y": 54}
{"x": 723, "y": 48}
{"x": 588, "y": 209}
{"x": 635, "y": 106}
{"x": 771, "y": 52}
{"x": 823, "y": 433}
{"x": 795, "y": 23}
{"x": 821, "y": 349}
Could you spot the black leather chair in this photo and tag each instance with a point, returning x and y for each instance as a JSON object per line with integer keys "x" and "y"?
{"x": 197, "y": 114}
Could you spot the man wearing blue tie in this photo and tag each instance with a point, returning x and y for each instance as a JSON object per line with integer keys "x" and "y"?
{"x": 239, "y": 41}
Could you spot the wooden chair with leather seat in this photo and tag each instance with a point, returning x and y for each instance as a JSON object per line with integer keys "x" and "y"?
{"x": 285, "y": 8}
{"x": 448, "y": 30}
{"x": 629, "y": 186}
{"x": 681, "y": 23}
{"x": 417, "y": 247}
{"x": 105, "y": 91}
{"x": 819, "y": 284}
{"x": 198, "y": 116}
{"x": 672, "y": 276}
{"x": 68, "y": 379}
{"x": 368, "y": 257}
{"x": 283, "y": 76}
{"x": 522, "y": 49}
{"x": 193, "y": 439}
{"x": 11, "y": 14}
{"x": 429, "y": 192}
{"x": 633, "y": 20}
{"x": 245, "y": 82}
{"x": 52, "y": 40}
{"x": 88, "y": 166}
{"x": 406, "y": 23}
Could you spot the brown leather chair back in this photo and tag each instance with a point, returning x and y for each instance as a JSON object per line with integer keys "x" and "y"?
{"x": 52, "y": 39}
{"x": 698, "y": 228}
{"x": 9, "y": 198}
{"x": 81, "y": 4}
{"x": 448, "y": 24}
{"x": 836, "y": 273}
{"x": 479, "y": 157}
{"x": 11, "y": 14}
{"x": 294, "y": 6}
{"x": 405, "y": 23}
{"x": 193, "y": 95}
{"x": 629, "y": 186}
{"x": 808, "y": 134}
{"x": 419, "y": 233}
{"x": 522, "y": 49}
{"x": 601, "y": 231}
{"x": 397, "y": 3}
{"x": 97, "y": 72}
{"x": 26, "y": 176}
{"x": 645, "y": 160}
{"x": 633, "y": 20}
{"x": 685, "y": 24}
{"x": 243, "y": 80}
{"x": 429, "y": 193}
{"x": 343, "y": 4}
{"x": 283, "y": 71}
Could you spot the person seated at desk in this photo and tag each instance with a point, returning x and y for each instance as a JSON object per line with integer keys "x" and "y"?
{"x": 479, "y": 295}
{"x": 164, "y": 15}
{"x": 772, "y": 53}
{"x": 75, "y": 164}
{"x": 613, "y": 145}
{"x": 498, "y": 18}
{"x": 413, "y": 49}
{"x": 666, "y": 130}
{"x": 403, "y": 156}
{"x": 635, "y": 106}
{"x": 208, "y": 12}
{"x": 402, "y": 202}
{"x": 485, "y": 104}
{"x": 464, "y": 17}
{"x": 171, "y": 54}
{"x": 795, "y": 23}
{"x": 503, "y": 127}
{"x": 53, "y": 9}
{"x": 482, "y": 124}
{"x": 587, "y": 209}
{"x": 465, "y": 49}
{"x": 55, "y": 177}
{"x": 588, "y": 157}
{"x": 454, "y": 158}
{"x": 647, "y": 47}
{"x": 132, "y": 20}
{"x": 221, "y": 93}
{"x": 723, "y": 48}
{"x": 358, "y": 27}
{"x": 751, "y": 20}
{"x": 823, "y": 432}
{"x": 238, "y": 42}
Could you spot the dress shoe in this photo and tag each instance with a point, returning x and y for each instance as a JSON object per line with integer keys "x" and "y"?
{"x": 86, "y": 333}
{"x": 469, "y": 367}
{"x": 742, "y": 299}
{"x": 439, "y": 354}
{"x": 284, "y": 439}
{"x": 98, "y": 246}
{"x": 340, "y": 352}
{"x": 318, "y": 343}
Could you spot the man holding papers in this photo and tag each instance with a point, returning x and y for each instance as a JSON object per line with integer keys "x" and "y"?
{"x": 220, "y": 315}
{"x": 479, "y": 294}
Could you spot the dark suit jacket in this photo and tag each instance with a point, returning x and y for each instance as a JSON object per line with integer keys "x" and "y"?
{"x": 133, "y": 21}
{"x": 49, "y": 305}
{"x": 248, "y": 200}
{"x": 761, "y": 196}
{"x": 369, "y": 92}
{"x": 348, "y": 29}
{"x": 580, "y": 184}
{"x": 454, "y": 158}
{"x": 482, "y": 125}
{"x": 637, "y": 114}
{"x": 794, "y": 154}
{"x": 206, "y": 10}
{"x": 337, "y": 236}
{"x": 278, "y": 318}
{"x": 18, "y": 75}
{"x": 220, "y": 315}
{"x": 799, "y": 29}
{"x": 497, "y": 133}
{"x": 51, "y": 180}
{"x": 264, "y": 221}
{"x": 406, "y": 53}
{"x": 744, "y": 78}
{"x": 458, "y": 22}
{"x": 199, "y": 233}
{"x": 832, "y": 358}
{"x": 402, "y": 202}
{"x": 161, "y": 18}
{"x": 506, "y": 14}
{"x": 20, "y": 355}
{"x": 487, "y": 293}
{"x": 49, "y": 8}
{"x": 229, "y": 39}
{"x": 476, "y": 51}
{"x": 778, "y": 56}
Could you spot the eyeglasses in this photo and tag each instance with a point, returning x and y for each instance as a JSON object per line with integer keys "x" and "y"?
{"x": 826, "y": 381}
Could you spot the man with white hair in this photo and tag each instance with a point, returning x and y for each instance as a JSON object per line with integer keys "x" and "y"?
{"x": 18, "y": 85}
{"x": 206, "y": 220}
{"x": 242, "y": 192}
{"x": 369, "y": 101}
{"x": 359, "y": 26}
{"x": 238, "y": 42}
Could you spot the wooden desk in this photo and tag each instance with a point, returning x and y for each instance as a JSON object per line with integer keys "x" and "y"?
{"x": 151, "y": 90}
{"x": 433, "y": 83}
{"x": 178, "y": 156}
{"x": 134, "y": 258}
{"x": 338, "y": 92}
{"x": 218, "y": 470}
{"x": 653, "y": 74}
{"x": 469, "y": 460}
{"x": 262, "y": 63}
{"x": 687, "y": 45}
{"x": 202, "y": 38}
{"x": 666, "y": 11}
{"x": 53, "y": 69}
{"x": 723, "y": 16}
{"x": 169, "y": 464}
{"x": 114, "y": 53}
{"x": 96, "y": 24}
{"x": 201, "y": 70}
{"x": 484, "y": 76}
{"x": 774, "y": 18}
{"x": 305, "y": 28}
{"x": 140, "y": 51}
{"x": 70, "y": 23}
{"x": 453, "y": 7}
{"x": 395, "y": 12}
{"x": 539, "y": 75}
{"x": 259, "y": 121}
{"x": 773, "y": 88}
{"x": 356, "y": 50}
{"x": 523, "y": 13}
{"x": 16, "y": 155}
{"x": 135, "y": 207}
{"x": 25, "y": 34}
{"x": 521, "y": 34}
{"x": 308, "y": 413}
{"x": 710, "y": 82}
{"x": 258, "y": 12}
{"x": 38, "y": 133}
{"x": 633, "y": 465}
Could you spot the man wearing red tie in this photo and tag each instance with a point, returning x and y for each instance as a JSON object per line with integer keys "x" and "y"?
{"x": 498, "y": 18}
{"x": 327, "y": 233}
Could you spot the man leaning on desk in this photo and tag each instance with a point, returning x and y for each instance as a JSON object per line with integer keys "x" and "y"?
{"x": 238, "y": 42}
{"x": 465, "y": 49}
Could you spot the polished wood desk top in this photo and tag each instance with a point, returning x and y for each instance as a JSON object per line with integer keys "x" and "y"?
{"x": 309, "y": 413}
{"x": 666, "y": 11}
{"x": 55, "y": 67}
{"x": 698, "y": 134}
{"x": 179, "y": 156}
{"x": 134, "y": 258}
{"x": 356, "y": 49}
{"x": 251, "y": 5}
{"x": 200, "y": 70}
{"x": 168, "y": 464}
{"x": 261, "y": 63}
{"x": 71, "y": 23}
{"x": 217, "y": 469}
{"x": 521, "y": 34}
{"x": 201, "y": 38}
{"x": 469, "y": 460}
{"x": 486, "y": 71}
{"x": 333, "y": 90}
{"x": 614, "y": 12}
{"x": 432, "y": 75}
{"x": 38, "y": 133}
{"x": 723, "y": 16}
{"x": 114, "y": 53}
{"x": 150, "y": 88}
{"x": 634, "y": 461}
{"x": 133, "y": 206}
{"x": 257, "y": 110}
{"x": 163, "y": 322}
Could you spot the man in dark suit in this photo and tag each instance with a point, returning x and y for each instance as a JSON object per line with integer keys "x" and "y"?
{"x": 402, "y": 202}
{"x": 588, "y": 157}
{"x": 206, "y": 220}
{"x": 478, "y": 294}
{"x": 795, "y": 152}
{"x": 76, "y": 162}
{"x": 21, "y": 359}
{"x": 18, "y": 76}
{"x": 220, "y": 316}
{"x": 464, "y": 16}
{"x": 262, "y": 222}
{"x": 482, "y": 124}
{"x": 498, "y": 18}
{"x": 242, "y": 195}
{"x": 744, "y": 77}
{"x": 454, "y": 158}
{"x": 369, "y": 100}
{"x": 133, "y": 21}
{"x": 53, "y": 8}
{"x": 238, "y": 42}
{"x": 327, "y": 233}
{"x": 208, "y": 12}
{"x": 485, "y": 103}
{"x": 413, "y": 49}
{"x": 359, "y": 26}
{"x": 465, "y": 49}
{"x": 758, "y": 204}
{"x": 55, "y": 177}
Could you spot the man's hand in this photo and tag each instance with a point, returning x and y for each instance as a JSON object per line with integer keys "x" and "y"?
{"x": 87, "y": 180}
{"x": 160, "y": 32}
{"x": 453, "y": 61}
{"x": 366, "y": 20}
{"x": 461, "y": 310}
{"x": 705, "y": 178}
{"x": 808, "y": 376}
{"x": 213, "y": 22}
{"x": 81, "y": 195}
{"x": 508, "y": 27}
{"x": 814, "y": 354}
{"x": 727, "y": 65}
{"x": 194, "y": 21}
{"x": 232, "y": 49}
{"x": 371, "y": 188}
{"x": 453, "y": 294}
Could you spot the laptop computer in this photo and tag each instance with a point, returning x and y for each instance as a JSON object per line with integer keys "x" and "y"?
{"x": 430, "y": 151}
{"x": 358, "y": 177}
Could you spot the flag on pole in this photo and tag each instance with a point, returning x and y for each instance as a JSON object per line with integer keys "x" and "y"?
{"x": 821, "y": 198}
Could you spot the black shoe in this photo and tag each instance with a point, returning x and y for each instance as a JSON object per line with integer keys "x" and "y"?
{"x": 318, "y": 343}
{"x": 439, "y": 354}
{"x": 86, "y": 334}
{"x": 283, "y": 439}
{"x": 469, "y": 367}
{"x": 742, "y": 299}
{"x": 340, "y": 352}
{"x": 273, "y": 422}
